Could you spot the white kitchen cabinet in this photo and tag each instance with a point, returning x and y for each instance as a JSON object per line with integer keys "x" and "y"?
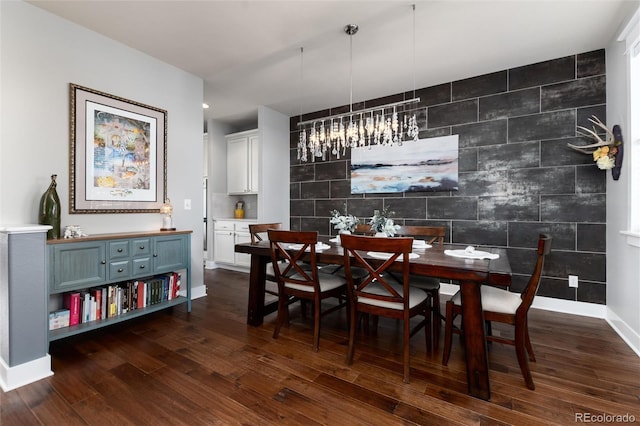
{"x": 242, "y": 235}
{"x": 243, "y": 161}
{"x": 223, "y": 242}
{"x": 228, "y": 233}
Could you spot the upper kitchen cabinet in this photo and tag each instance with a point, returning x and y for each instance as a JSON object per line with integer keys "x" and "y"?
{"x": 243, "y": 162}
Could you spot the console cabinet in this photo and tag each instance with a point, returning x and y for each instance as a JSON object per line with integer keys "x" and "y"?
{"x": 89, "y": 262}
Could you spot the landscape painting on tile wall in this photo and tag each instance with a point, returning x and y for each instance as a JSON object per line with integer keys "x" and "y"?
{"x": 415, "y": 166}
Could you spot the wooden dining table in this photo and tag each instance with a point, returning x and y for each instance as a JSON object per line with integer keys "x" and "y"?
{"x": 470, "y": 274}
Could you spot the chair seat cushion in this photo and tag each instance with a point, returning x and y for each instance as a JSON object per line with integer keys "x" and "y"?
{"x": 327, "y": 282}
{"x": 416, "y": 296}
{"x": 495, "y": 300}
{"x": 425, "y": 283}
{"x": 271, "y": 274}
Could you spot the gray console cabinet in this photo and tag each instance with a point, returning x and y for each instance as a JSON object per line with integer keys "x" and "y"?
{"x": 83, "y": 263}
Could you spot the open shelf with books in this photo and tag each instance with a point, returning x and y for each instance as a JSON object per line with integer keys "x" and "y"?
{"x": 106, "y": 279}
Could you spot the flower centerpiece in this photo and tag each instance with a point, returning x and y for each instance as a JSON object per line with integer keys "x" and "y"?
{"x": 381, "y": 222}
{"x": 344, "y": 223}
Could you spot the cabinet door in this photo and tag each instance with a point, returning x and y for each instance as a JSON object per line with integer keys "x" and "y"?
{"x": 223, "y": 246}
{"x": 237, "y": 172}
{"x": 254, "y": 164}
{"x": 77, "y": 265}
{"x": 242, "y": 259}
{"x": 169, "y": 253}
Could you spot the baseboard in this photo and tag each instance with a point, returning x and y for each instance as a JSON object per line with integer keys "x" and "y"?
{"x": 23, "y": 374}
{"x": 628, "y": 334}
{"x": 584, "y": 309}
{"x": 198, "y": 292}
{"x": 210, "y": 264}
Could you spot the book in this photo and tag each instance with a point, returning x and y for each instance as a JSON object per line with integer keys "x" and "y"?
{"x": 92, "y": 308}
{"x": 59, "y": 319}
{"x": 178, "y": 284}
{"x": 104, "y": 303}
{"x": 112, "y": 301}
{"x": 85, "y": 299}
{"x": 71, "y": 301}
{"x": 140, "y": 288}
{"x": 97, "y": 296}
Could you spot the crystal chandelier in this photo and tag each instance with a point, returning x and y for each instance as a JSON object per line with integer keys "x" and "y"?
{"x": 385, "y": 125}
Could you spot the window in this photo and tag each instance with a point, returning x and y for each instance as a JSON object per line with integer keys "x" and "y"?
{"x": 634, "y": 136}
{"x": 631, "y": 37}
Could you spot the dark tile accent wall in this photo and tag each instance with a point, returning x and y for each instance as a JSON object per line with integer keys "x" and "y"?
{"x": 517, "y": 177}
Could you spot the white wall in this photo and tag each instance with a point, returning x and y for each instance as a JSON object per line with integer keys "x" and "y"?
{"x": 273, "y": 198}
{"x": 219, "y": 203}
{"x": 623, "y": 260}
{"x": 40, "y": 54}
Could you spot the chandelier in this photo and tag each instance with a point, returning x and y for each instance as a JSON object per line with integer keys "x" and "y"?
{"x": 385, "y": 125}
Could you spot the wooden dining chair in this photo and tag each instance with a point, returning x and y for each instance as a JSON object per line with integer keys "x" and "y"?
{"x": 258, "y": 232}
{"x": 505, "y": 307}
{"x": 288, "y": 249}
{"x": 433, "y": 235}
{"x": 380, "y": 295}
{"x": 363, "y": 229}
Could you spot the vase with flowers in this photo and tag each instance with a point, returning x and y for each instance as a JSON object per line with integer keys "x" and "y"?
{"x": 344, "y": 223}
{"x": 382, "y": 224}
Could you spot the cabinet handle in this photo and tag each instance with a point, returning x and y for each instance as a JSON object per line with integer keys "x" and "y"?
{"x": 141, "y": 247}
{"x": 119, "y": 250}
{"x": 120, "y": 269}
{"x": 141, "y": 266}
{"x": 104, "y": 262}
{"x": 155, "y": 255}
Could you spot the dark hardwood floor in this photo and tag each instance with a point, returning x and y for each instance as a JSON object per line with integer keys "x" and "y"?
{"x": 208, "y": 367}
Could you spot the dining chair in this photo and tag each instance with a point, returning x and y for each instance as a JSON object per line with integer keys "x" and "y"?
{"x": 430, "y": 235}
{"x": 258, "y": 232}
{"x": 380, "y": 295}
{"x": 363, "y": 229}
{"x": 506, "y": 307}
{"x": 360, "y": 229}
{"x": 288, "y": 249}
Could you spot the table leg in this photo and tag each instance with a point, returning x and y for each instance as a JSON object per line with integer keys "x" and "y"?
{"x": 255, "y": 308}
{"x": 475, "y": 340}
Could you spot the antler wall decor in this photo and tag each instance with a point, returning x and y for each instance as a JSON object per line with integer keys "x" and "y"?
{"x": 606, "y": 153}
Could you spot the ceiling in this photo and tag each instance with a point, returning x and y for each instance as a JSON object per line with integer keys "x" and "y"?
{"x": 248, "y": 52}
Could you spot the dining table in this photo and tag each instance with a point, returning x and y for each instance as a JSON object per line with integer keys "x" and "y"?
{"x": 436, "y": 261}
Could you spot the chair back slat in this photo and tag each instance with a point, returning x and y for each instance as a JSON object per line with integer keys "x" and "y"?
{"x": 259, "y": 230}
{"x": 431, "y": 234}
{"x": 355, "y": 245}
{"x": 363, "y": 229}
{"x": 530, "y": 290}
{"x": 287, "y": 262}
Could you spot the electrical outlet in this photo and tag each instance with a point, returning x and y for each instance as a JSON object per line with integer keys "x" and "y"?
{"x": 187, "y": 204}
{"x": 573, "y": 281}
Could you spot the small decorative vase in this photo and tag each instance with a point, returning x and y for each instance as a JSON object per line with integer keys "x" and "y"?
{"x": 342, "y": 232}
{"x": 50, "y": 210}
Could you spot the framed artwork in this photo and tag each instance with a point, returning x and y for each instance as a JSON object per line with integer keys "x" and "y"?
{"x": 118, "y": 154}
{"x": 415, "y": 166}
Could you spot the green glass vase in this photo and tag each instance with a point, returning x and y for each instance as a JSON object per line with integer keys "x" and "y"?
{"x": 50, "y": 210}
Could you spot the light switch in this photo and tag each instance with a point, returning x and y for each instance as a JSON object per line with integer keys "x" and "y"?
{"x": 187, "y": 204}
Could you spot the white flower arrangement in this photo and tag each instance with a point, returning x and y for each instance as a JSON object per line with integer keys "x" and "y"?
{"x": 346, "y": 222}
{"x": 381, "y": 222}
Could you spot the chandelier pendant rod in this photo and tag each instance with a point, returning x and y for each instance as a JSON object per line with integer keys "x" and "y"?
{"x": 360, "y": 111}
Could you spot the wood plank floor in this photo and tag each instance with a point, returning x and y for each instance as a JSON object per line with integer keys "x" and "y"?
{"x": 208, "y": 367}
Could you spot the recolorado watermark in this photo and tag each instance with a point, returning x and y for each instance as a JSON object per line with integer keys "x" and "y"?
{"x": 604, "y": 418}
